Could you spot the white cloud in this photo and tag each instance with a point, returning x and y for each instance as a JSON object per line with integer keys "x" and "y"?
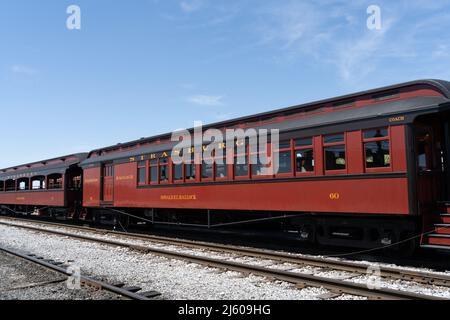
{"x": 206, "y": 100}
{"x": 189, "y": 6}
{"x": 21, "y": 69}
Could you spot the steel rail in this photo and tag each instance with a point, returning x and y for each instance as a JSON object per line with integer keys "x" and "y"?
{"x": 385, "y": 272}
{"x": 84, "y": 279}
{"x": 337, "y": 286}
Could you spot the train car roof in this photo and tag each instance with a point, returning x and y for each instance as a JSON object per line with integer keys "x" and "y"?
{"x": 383, "y": 109}
{"x": 43, "y": 167}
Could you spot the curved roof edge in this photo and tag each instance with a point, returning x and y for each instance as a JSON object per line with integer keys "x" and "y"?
{"x": 80, "y": 156}
{"x": 442, "y": 85}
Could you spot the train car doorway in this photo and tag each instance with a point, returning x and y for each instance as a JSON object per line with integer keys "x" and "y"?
{"x": 108, "y": 183}
{"x": 432, "y": 156}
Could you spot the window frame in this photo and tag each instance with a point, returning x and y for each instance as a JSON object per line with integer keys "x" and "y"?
{"x": 300, "y": 148}
{"x": 288, "y": 149}
{"x": 266, "y": 176}
{"x": 225, "y": 164}
{"x": 334, "y": 144}
{"x": 369, "y": 140}
{"x": 146, "y": 176}
{"x": 151, "y": 165}
{"x": 167, "y": 165}
{"x": 247, "y": 159}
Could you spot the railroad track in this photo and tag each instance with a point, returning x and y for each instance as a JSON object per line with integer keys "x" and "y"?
{"x": 335, "y": 286}
{"x": 129, "y": 293}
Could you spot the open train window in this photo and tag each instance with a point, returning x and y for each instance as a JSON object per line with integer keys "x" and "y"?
{"x": 377, "y": 148}
{"x": 23, "y": 184}
{"x": 38, "y": 183}
{"x": 335, "y": 152}
{"x": 10, "y": 185}
{"x": 55, "y": 181}
{"x": 164, "y": 170}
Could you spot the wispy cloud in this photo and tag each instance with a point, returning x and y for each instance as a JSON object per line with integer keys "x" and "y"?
{"x": 189, "y": 6}
{"x": 336, "y": 34}
{"x": 206, "y": 100}
{"x": 22, "y": 69}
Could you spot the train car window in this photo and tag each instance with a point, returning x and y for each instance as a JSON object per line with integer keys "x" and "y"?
{"x": 377, "y": 148}
{"x": 334, "y": 138}
{"x": 378, "y": 154}
{"x": 10, "y": 185}
{"x": 153, "y": 171}
{"x": 142, "y": 172}
{"x": 285, "y": 144}
{"x": 38, "y": 183}
{"x": 240, "y": 166}
{"x": 23, "y": 184}
{"x": 304, "y": 155}
{"x": 335, "y": 158}
{"x": 304, "y": 160}
{"x": 285, "y": 161}
{"x": 257, "y": 168}
{"x": 207, "y": 170}
{"x": 376, "y": 133}
{"x": 55, "y": 181}
{"x": 304, "y": 142}
{"x": 163, "y": 170}
{"x": 221, "y": 170}
{"x": 424, "y": 151}
{"x": 190, "y": 171}
{"x": 2, "y": 186}
{"x": 178, "y": 171}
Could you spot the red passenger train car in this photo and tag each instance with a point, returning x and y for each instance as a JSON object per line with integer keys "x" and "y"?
{"x": 50, "y": 187}
{"x": 369, "y": 169}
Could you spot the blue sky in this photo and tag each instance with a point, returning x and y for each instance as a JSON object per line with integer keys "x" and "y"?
{"x": 138, "y": 68}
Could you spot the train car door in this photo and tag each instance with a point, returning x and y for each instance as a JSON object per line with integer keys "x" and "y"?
{"x": 108, "y": 183}
{"x": 429, "y": 166}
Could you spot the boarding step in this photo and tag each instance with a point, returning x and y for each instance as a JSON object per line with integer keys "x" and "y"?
{"x": 436, "y": 247}
{"x": 443, "y": 218}
{"x": 437, "y": 239}
{"x": 442, "y": 228}
{"x": 444, "y": 206}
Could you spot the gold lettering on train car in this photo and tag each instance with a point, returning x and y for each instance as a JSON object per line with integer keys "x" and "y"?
{"x": 122, "y": 178}
{"x": 91, "y": 181}
{"x": 176, "y": 197}
{"x": 153, "y": 156}
{"x": 132, "y": 159}
{"x": 20, "y": 198}
{"x": 164, "y": 155}
{"x": 397, "y": 119}
{"x": 335, "y": 196}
